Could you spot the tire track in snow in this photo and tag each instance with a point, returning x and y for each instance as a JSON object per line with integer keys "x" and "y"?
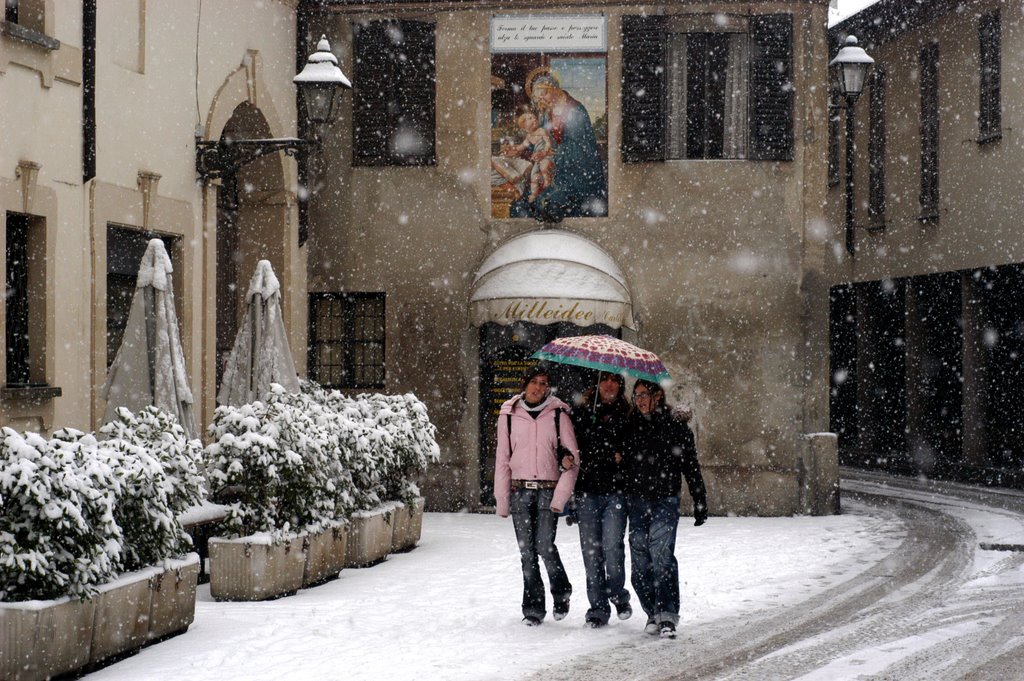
{"x": 916, "y": 593}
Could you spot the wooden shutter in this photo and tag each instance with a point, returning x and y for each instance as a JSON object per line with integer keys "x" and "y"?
{"x": 371, "y": 93}
{"x": 929, "y": 70}
{"x": 393, "y": 93}
{"x": 415, "y": 88}
{"x": 876, "y": 148}
{"x": 771, "y": 87}
{"x": 644, "y": 40}
{"x": 990, "y": 63}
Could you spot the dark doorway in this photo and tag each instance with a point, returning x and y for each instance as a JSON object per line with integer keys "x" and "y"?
{"x": 935, "y": 371}
{"x": 1002, "y": 343}
{"x": 842, "y": 411}
{"x": 881, "y": 377}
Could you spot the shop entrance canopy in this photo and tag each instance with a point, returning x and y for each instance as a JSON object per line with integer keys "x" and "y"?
{"x": 550, "y": 276}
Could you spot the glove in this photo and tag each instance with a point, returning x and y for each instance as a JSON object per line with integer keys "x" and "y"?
{"x": 700, "y": 515}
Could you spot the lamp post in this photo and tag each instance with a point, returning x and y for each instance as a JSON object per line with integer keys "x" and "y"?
{"x": 851, "y": 65}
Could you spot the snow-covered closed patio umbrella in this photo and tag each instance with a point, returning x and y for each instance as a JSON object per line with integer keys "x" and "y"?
{"x": 149, "y": 368}
{"x": 260, "y": 355}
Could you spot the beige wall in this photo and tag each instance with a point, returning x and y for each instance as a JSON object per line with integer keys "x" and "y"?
{"x": 724, "y": 259}
{"x": 150, "y": 102}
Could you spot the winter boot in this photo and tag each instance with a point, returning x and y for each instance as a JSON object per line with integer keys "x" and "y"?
{"x": 668, "y": 630}
{"x": 652, "y": 627}
{"x": 624, "y": 611}
{"x": 531, "y": 621}
{"x": 560, "y": 610}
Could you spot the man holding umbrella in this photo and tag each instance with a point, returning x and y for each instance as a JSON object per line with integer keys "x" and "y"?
{"x": 533, "y": 481}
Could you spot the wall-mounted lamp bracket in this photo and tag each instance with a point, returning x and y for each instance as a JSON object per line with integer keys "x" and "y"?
{"x": 215, "y": 159}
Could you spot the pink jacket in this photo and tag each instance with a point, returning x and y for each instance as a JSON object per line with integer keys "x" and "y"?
{"x": 533, "y": 452}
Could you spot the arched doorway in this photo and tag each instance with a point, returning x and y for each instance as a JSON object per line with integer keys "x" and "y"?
{"x": 251, "y": 225}
{"x": 534, "y": 288}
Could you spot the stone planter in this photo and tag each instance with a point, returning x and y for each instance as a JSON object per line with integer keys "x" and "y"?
{"x": 122, "y": 616}
{"x": 40, "y": 639}
{"x": 369, "y": 536}
{"x": 408, "y": 525}
{"x": 326, "y": 554}
{"x": 174, "y": 598}
{"x": 254, "y": 569}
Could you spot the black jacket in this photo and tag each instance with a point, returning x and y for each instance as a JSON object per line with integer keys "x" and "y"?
{"x": 659, "y": 452}
{"x": 599, "y": 433}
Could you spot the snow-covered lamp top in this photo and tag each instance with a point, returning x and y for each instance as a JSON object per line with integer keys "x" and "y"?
{"x": 319, "y": 80}
{"x": 853, "y": 63}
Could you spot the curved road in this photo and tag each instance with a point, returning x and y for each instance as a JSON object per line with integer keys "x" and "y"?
{"x": 938, "y": 607}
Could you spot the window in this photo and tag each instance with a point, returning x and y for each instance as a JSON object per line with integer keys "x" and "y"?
{"x": 393, "y": 93}
{"x": 876, "y": 150}
{"x": 929, "y": 74}
{"x": 346, "y": 339}
{"x": 707, "y": 87}
{"x": 25, "y": 309}
{"x": 990, "y": 113}
{"x": 30, "y": 14}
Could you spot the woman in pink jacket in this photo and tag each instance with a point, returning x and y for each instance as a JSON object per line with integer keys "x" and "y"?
{"x": 533, "y": 483}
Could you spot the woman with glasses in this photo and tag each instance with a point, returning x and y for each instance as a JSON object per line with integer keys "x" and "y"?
{"x": 659, "y": 452}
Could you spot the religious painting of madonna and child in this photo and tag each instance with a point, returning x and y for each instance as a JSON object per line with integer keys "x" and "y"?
{"x": 549, "y": 116}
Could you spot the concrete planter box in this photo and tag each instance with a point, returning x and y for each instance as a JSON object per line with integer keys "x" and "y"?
{"x": 408, "y": 525}
{"x": 326, "y": 554}
{"x": 369, "y": 536}
{"x": 174, "y": 599}
{"x": 40, "y": 639}
{"x": 254, "y": 569}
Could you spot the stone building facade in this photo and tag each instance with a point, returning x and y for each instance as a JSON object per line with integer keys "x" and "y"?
{"x": 926, "y": 316}
{"x": 432, "y": 268}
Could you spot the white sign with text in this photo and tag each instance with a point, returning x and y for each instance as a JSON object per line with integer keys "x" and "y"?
{"x": 549, "y": 33}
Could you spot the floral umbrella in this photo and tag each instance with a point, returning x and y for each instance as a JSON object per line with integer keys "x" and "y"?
{"x": 605, "y": 353}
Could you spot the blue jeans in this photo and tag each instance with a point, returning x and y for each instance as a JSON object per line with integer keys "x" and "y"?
{"x": 535, "y": 527}
{"x": 602, "y": 519}
{"x": 652, "y": 543}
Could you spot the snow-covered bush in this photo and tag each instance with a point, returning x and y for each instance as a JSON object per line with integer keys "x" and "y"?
{"x": 159, "y": 470}
{"x": 162, "y": 436}
{"x": 75, "y": 511}
{"x": 304, "y": 461}
{"x": 275, "y": 462}
{"x": 57, "y": 531}
{"x": 391, "y": 444}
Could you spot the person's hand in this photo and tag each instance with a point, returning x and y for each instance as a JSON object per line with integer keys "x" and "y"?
{"x": 568, "y": 462}
{"x": 556, "y": 511}
{"x": 618, "y": 457}
{"x": 502, "y": 515}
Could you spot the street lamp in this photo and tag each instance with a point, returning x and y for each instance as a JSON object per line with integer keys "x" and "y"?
{"x": 851, "y": 65}
{"x": 318, "y": 82}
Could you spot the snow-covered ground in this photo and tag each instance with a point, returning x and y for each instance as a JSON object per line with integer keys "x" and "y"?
{"x": 450, "y": 608}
